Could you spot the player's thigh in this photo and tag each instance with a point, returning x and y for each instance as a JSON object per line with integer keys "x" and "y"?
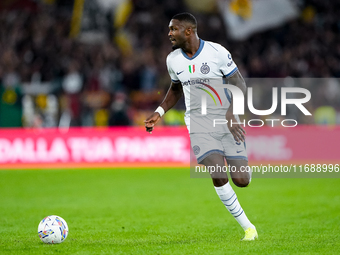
{"x": 216, "y": 166}
{"x": 209, "y": 152}
{"x": 203, "y": 145}
{"x": 239, "y": 169}
{"x": 237, "y": 160}
{"x": 234, "y": 150}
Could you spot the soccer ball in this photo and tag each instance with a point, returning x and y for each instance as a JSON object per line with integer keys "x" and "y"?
{"x": 53, "y": 229}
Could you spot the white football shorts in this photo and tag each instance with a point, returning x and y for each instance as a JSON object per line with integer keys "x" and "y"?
{"x": 205, "y": 144}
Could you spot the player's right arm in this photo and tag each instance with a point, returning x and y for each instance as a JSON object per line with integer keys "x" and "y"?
{"x": 174, "y": 93}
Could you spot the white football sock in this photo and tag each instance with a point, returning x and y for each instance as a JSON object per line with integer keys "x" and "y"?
{"x": 229, "y": 199}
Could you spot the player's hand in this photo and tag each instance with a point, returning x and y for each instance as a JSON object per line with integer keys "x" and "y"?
{"x": 151, "y": 122}
{"x": 235, "y": 129}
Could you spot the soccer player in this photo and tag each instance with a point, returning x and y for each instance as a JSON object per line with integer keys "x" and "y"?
{"x": 192, "y": 65}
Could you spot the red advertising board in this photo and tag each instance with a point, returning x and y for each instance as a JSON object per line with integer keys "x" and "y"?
{"x": 167, "y": 146}
{"x": 305, "y": 144}
{"x": 127, "y": 146}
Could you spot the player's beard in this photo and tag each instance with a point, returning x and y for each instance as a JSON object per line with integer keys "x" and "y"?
{"x": 175, "y": 47}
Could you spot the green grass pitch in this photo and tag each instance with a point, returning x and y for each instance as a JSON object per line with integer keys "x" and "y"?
{"x": 164, "y": 211}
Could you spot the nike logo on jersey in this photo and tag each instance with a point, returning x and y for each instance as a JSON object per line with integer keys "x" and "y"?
{"x": 239, "y": 151}
{"x": 178, "y": 73}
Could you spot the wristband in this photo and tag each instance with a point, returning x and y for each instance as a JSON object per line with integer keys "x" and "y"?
{"x": 160, "y": 110}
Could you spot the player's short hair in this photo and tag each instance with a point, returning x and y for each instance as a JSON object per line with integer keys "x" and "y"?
{"x": 187, "y": 17}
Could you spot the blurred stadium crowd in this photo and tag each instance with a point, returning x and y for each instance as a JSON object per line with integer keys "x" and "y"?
{"x": 49, "y": 78}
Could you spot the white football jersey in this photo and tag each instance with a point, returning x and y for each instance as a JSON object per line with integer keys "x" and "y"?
{"x": 200, "y": 77}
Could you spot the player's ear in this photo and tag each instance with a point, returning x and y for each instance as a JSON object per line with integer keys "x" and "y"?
{"x": 188, "y": 31}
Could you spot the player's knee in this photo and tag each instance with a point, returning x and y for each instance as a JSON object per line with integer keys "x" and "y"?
{"x": 219, "y": 182}
{"x": 241, "y": 182}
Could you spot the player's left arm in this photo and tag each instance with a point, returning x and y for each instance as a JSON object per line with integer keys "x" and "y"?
{"x": 236, "y": 129}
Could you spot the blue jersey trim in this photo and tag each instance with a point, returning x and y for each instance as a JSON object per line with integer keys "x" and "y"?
{"x": 232, "y": 72}
{"x": 175, "y": 81}
{"x": 208, "y": 153}
{"x": 213, "y": 47}
{"x": 227, "y": 95}
{"x": 197, "y": 52}
{"x": 237, "y": 157}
